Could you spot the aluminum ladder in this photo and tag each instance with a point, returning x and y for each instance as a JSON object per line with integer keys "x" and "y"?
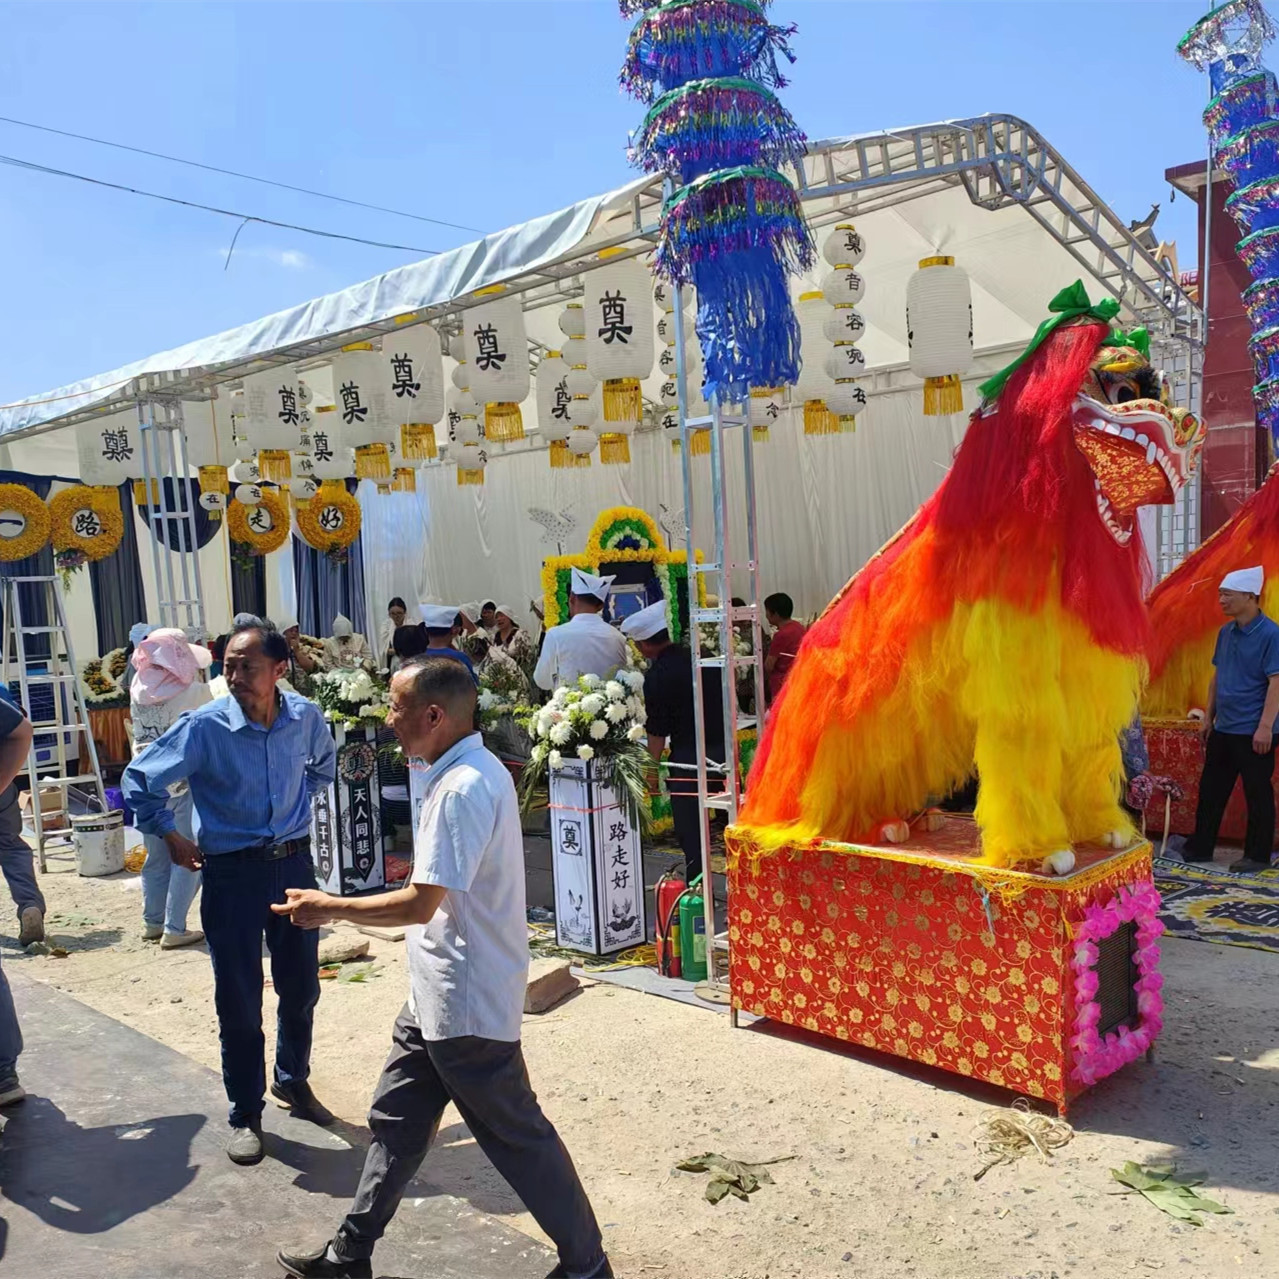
{"x": 70, "y": 713}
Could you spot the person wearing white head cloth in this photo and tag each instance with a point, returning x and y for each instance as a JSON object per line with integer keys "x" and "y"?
{"x": 514, "y": 640}
{"x": 669, "y": 718}
{"x": 442, "y": 622}
{"x": 1239, "y": 725}
{"x": 584, "y": 645}
{"x": 345, "y": 650}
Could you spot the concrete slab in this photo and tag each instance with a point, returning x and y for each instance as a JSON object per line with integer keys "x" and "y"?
{"x": 113, "y": 1167}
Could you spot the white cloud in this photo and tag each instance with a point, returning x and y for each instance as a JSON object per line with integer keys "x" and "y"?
{"x": 289, "y": 259}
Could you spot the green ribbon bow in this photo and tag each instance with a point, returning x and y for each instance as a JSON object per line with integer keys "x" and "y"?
{"x": 1070, "y": 304}
{"x": 1138, "y": 339}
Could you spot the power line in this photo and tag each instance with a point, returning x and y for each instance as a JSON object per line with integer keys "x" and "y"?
{"x": 209, "y": 208}
{"x": 232, "y": 173}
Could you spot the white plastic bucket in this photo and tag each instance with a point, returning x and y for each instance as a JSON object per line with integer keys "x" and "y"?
{"x": 99, "y": 843}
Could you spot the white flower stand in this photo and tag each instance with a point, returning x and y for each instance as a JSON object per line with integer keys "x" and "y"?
{"x": 596, "y": 863}
{"x": 346, "y": 819}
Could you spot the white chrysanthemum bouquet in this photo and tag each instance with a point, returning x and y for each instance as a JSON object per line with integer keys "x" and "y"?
{"x": 595, "y": 719}
{"x": 352, "y": 698}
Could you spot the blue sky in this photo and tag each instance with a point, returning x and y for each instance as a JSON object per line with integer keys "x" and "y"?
{"x": 482, "y": 113}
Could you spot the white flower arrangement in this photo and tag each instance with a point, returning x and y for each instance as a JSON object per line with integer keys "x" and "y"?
{"x": 352, "y": 698}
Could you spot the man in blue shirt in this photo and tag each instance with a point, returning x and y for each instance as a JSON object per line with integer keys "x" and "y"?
{"x": 1239, "y": 726}
{"x": 442, "y": 623}
{"x": 253, "y": 761}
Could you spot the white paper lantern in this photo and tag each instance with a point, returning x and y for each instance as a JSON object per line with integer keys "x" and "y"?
{"x": 414, "y": 363}
{"x": 845, "y": 361}
{"x": 108, "y": 449}
{"x": 273, "y": 419}
{"x": 939, "y": 329}
{"x": 668, "y": 392}
{"x": 619, "y": 334}
{"x": 667, "y": 328}
{"x": 331, "y": 459}
{"x": 767, "y": 408}
{"x": 361, "y": 394}
{"x": 846, "y": 401}
{"x": 582, "y": 441}
{"x": 553, "y": 396}
{"x": 579, "y": 377}
{"x": 471, "y": 461}
{"x": 214, "y": 503}
{"x": 814, "y": 382}
{"x": 843, "y": 246}
{"x": 304, "y": 466}
{"x": 248, "y": 494}
{"x": 843, "y": 287}
{"x": 573, "y": 321}
{"x": 206, "y": 424}
{"x": 466, "y": 431}
{"x": 461, "y": 377}
{"x": 844, "y": 324}
{"x": 243, "y": 450}
{"x": 303, "y": 488}
{"x": 497, "y": 358}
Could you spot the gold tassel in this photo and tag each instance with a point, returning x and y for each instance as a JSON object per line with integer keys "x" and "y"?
{"x": 701, "y": 444}
{"x": 417, "y": 442}
{"x": 405, "y": 480}
{"x": 615, "y": 449}
{"x": 214, "y": 479}
{"x": 469, "y": 477}
{"x": 818, "y": 419}
{"x": 943, "y": 395}
{"x": 561, "y": 454}
{"x": 847, "y": 425}
{"x": 373, "y": 462}
{"x": 760, "y": 434}
{"x": 140, "y": 492}
{"x": 503, "y": 423}
{"x": 623, "y": 400}
{"x": 383, "y": 488}
{"x": 675, "y": 448}
{"x": 274, "y": 465}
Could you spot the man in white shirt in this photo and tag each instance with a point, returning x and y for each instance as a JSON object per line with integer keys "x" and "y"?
{"x": 458, "y": 1038}
{"x": 584, "y": 645}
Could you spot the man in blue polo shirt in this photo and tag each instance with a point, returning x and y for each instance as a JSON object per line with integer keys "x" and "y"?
{"x": 1243, "y": 704}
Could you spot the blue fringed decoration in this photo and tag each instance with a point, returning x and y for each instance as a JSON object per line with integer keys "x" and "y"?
{"x": 1256, "y": 207}
{"x": 1246, "y": 103}
{"x": 717, "y": 124}
{"x": 685, "y": 40}
{"x": 1252, "y": 154}
{"x": 1261, "y": 301}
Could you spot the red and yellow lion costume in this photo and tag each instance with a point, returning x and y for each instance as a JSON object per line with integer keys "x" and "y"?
{"x": 1003, "y": 630}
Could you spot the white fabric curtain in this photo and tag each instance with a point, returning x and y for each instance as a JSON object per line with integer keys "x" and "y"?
{"x": 395, "y": 531}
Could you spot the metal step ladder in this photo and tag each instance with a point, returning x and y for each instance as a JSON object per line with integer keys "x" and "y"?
{"x": 59, "y": 718}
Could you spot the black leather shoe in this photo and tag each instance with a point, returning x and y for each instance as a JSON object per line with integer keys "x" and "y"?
{"x": 602, "y": 1271}
{"x": 316, "y": 1265}
{"x": 302, "y": 1103}
{"x": 1245, "y": 865}
{"x": 245, "y": 1145}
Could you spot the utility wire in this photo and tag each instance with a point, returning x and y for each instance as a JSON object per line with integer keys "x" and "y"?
{"x": 209, "y": 208}
{"x": 232, "y": 173}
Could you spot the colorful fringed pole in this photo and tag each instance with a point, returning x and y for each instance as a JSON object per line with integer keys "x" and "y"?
{"x": 1243, "y": 122}
{"x": 733, "y": 228}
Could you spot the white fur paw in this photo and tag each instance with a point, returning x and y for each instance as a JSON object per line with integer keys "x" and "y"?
{"x": 930, "y": 821}
{"x": 1061, "y": 862}
{"x": 1114, "y": 839}
{"x": 895, "y": 832}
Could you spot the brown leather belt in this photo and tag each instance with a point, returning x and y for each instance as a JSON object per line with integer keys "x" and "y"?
{"x": 275, "y": 852}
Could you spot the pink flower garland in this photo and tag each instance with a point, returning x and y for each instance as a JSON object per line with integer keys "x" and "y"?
{"x": 1095, "y": 1057}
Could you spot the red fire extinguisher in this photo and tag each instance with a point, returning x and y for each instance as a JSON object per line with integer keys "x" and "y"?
{"x": 666, "y": 895}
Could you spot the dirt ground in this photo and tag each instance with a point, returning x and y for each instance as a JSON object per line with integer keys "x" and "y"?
{"x": 882, "y": 1184}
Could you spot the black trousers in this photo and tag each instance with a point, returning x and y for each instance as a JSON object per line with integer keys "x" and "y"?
{"x": 486, "y": 1079}
{"x": 1227, "y": 758}
{"x": 686, "y": 818}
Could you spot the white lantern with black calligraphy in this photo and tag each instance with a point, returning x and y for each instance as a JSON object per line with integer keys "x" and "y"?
{"x": 814, "y": 382}
{"x": 108, "y": 449}
{"x": 844, "y": 246}
{"x": 939, "y": 328}
{"x": 273, "y": 419}
{"x": 361, "y": 394}
{"x": 331, "y": 459}
{"x": 768, "y": 404}
{"x": 619, "y": 342}
{"x": 497, "y": 353}
{"x": 414, "y": 364}
{"x": 464, "y": 418}
{"x": 206, "y": 424}
{"x": 553, "y": 400}
{"x": 471, "y": 461}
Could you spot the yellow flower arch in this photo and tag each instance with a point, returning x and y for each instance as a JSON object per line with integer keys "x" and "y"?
{"x": 36, "y": 523}
{"x": 102, "y": 502}
{"x": 240, "y": 530}
{"x": 331, "y": 494}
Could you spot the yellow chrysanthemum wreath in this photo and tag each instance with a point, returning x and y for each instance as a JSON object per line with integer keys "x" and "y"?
{"x": 260, "y": 542}
{"x": 35, "y": 520}
{"x": 86, "y": 523}
{"x": 321, "y": 528}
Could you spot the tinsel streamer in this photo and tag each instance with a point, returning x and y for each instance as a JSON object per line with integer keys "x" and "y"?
{"x": 1248, "y": 102}
{"x": 1264, "y": 349}
{"x": 1266, "y": 396}
{"x": 1259, "y": 252}
{"x": 1261, "y": 301}
{"x": 629, "y": 8}
{"x": 1256, "y": 206}
{"x": 695, "y": 39}
{"x": 1252, "y": 154}
{"x": 1225, "y": 42}
{"x": 716, "y": 124}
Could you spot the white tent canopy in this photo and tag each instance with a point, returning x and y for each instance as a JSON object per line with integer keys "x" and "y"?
{"x": 989, "y": 191}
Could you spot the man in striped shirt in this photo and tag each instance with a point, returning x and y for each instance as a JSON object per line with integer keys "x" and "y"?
{"x": 253, "y": 761}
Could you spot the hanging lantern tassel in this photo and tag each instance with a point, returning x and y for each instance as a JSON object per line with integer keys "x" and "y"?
{"x": 373, "y": 462}
{"x": 561, "y": 454}
{"x": 939, "y": 327}
{"x": 818, "y": 419}
{"x": 615, "y": 449}
{"x": 700, "y": 444}
{"x": 417, "y": 442}
{"x": 503, "y": 423}
{"x": 275, "y": 465}
{"x": 140, "y": 493}
{"x": 623, "y": 400}
{"x": 214, "y": 479}
{"x": 405, "y": 480}
{"x": 469, "y": 477}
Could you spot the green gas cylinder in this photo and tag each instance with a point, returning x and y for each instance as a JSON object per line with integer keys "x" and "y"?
{"x": 692, "y": 932}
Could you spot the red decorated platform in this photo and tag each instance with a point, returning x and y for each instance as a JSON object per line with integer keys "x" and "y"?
{"x": 1176, "y": 751}
{"x": 921, "y": 951}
